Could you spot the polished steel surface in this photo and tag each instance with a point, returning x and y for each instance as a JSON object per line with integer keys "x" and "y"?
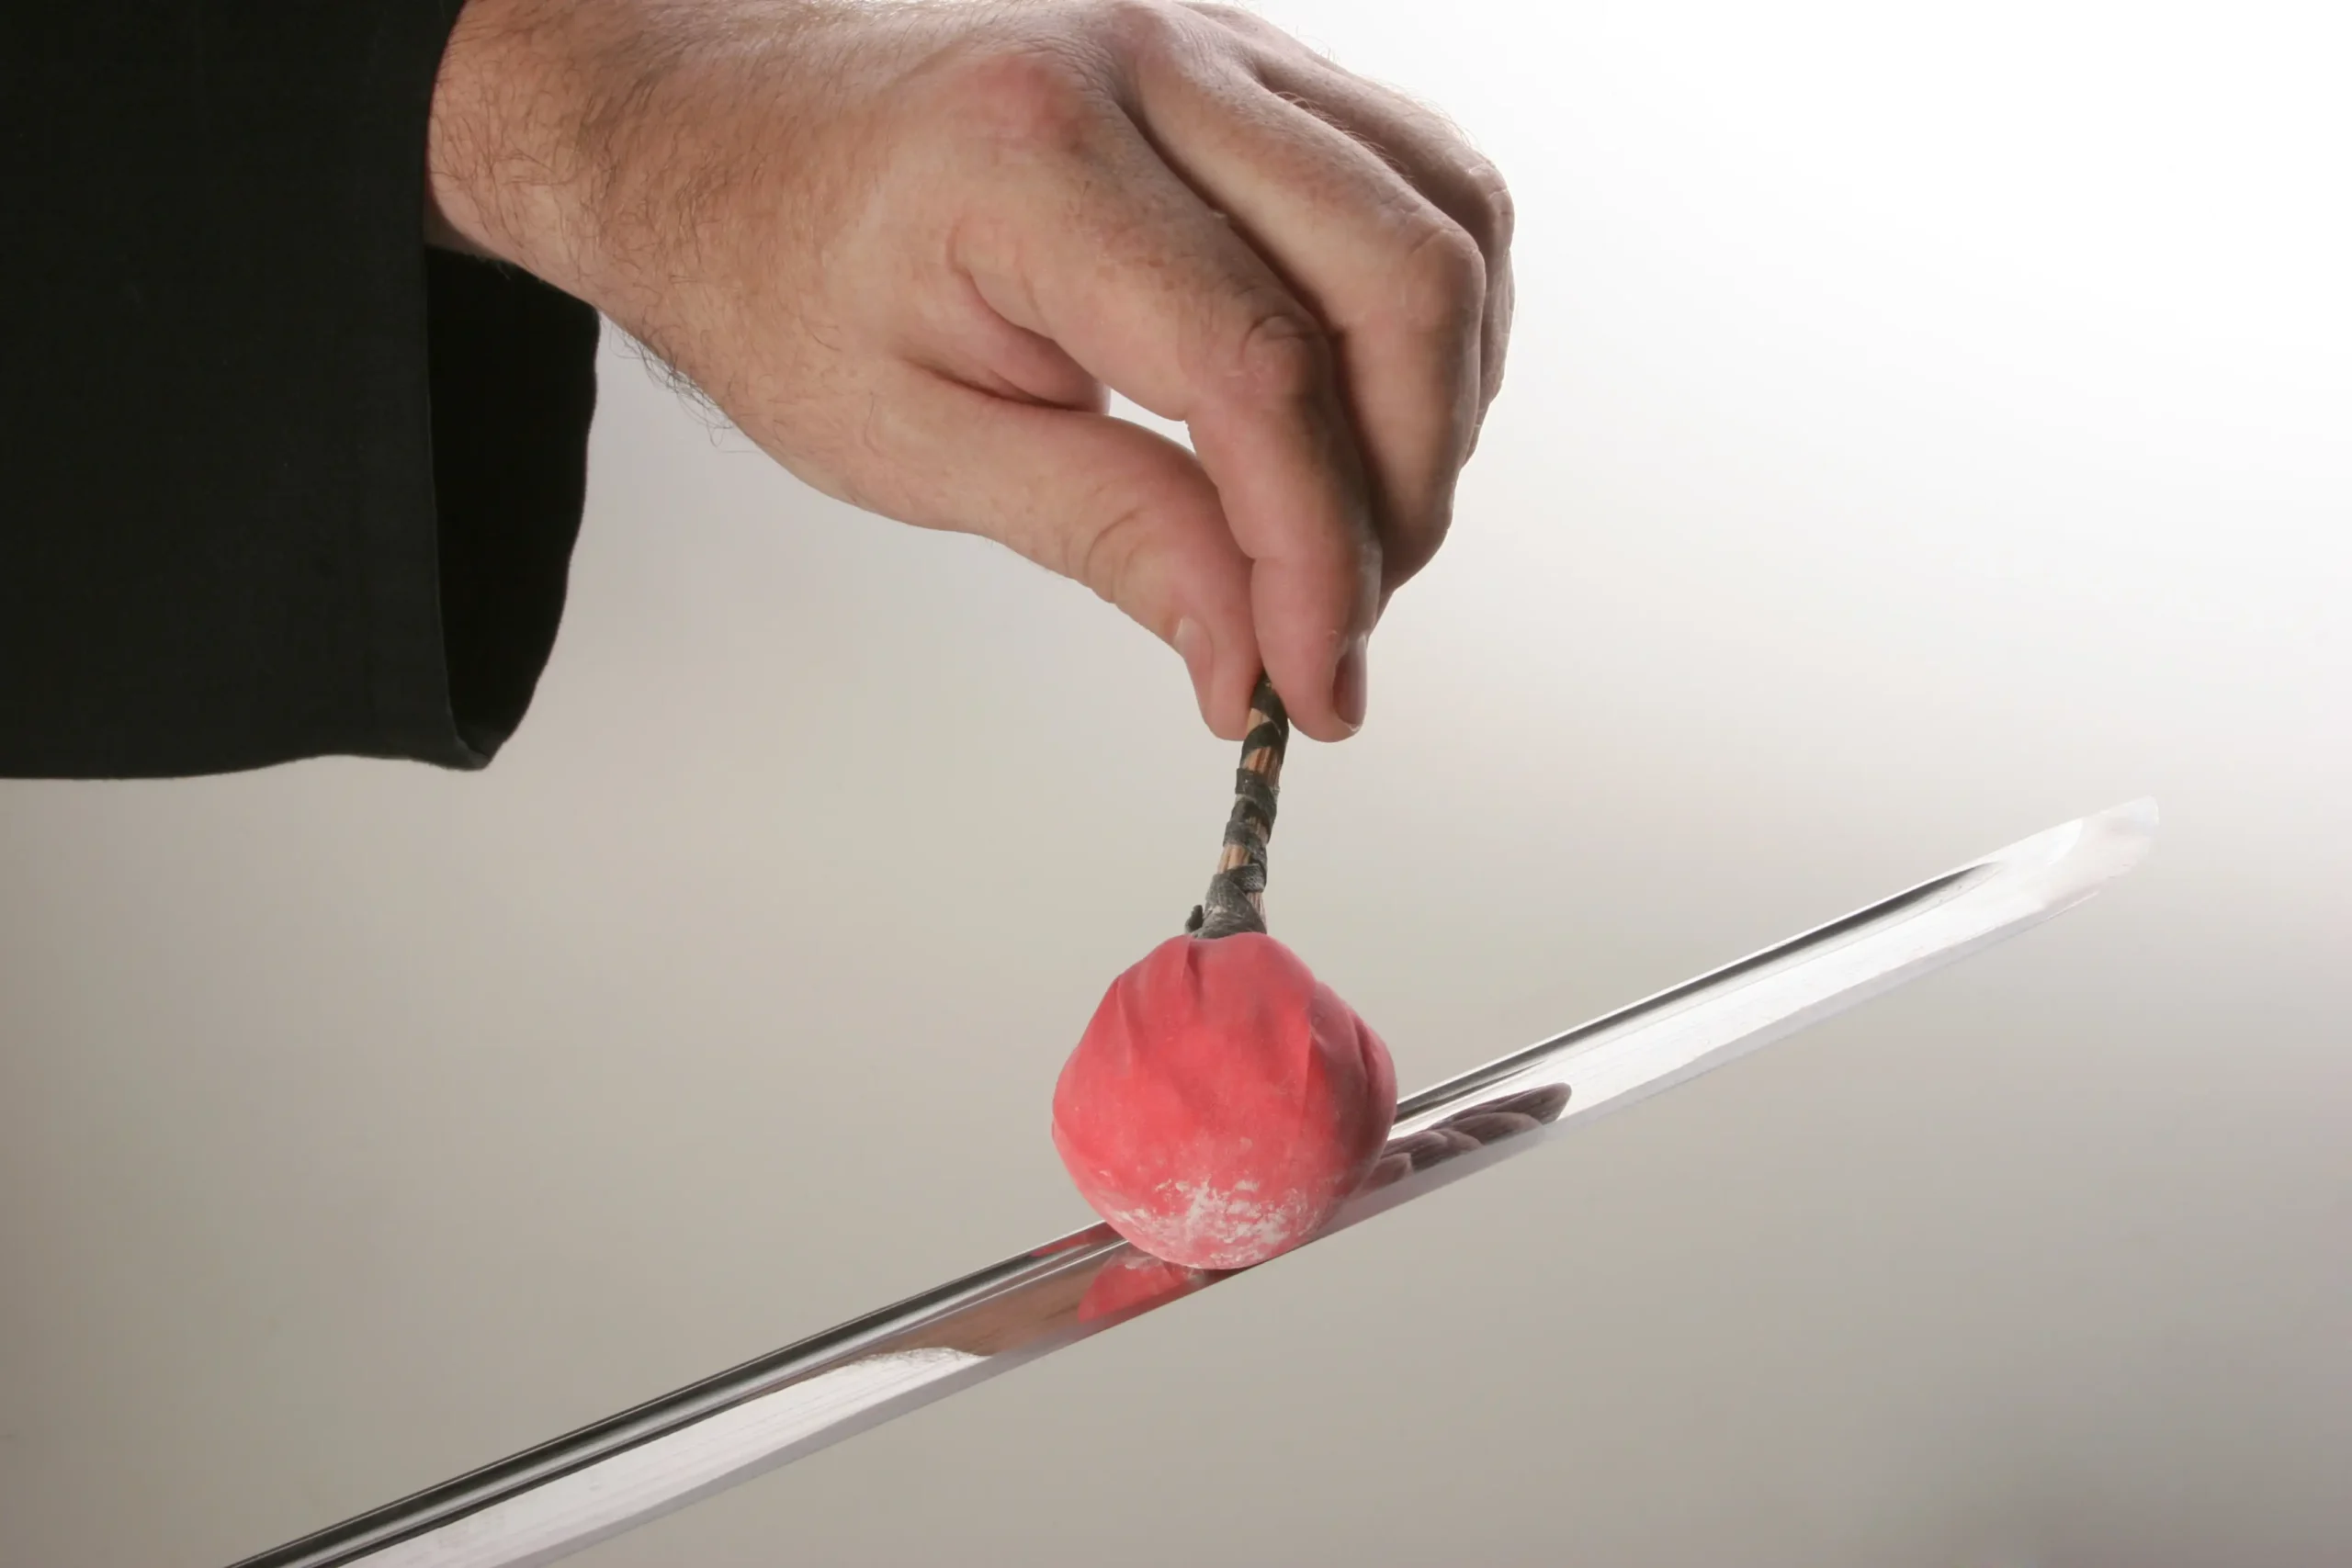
{"x": 554, "y": 1499}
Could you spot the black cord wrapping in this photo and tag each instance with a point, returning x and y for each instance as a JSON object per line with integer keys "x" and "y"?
{"x": 1236, "y": 895}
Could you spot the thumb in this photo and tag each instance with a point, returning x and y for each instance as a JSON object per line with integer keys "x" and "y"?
{"x": 1105, "y": 502}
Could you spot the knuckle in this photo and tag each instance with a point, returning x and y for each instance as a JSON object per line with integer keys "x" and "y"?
{"x": 1141, "y": 30}
{"x": 1233, "y": 16}
{"x": 1280, "y": 356}
{"x": 1407, "y": 551}
{"x": 1253, "y": 28}
{"x": 1105, "y": 557}
{"x": 1034, "y": 96}
{"x": 1493, "y": 361}
{"x": 1441, "y": 282}
{"x": 1497, "y": 213}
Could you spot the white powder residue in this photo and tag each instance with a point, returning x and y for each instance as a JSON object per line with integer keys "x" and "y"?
{"x": 1220, "y": 1227}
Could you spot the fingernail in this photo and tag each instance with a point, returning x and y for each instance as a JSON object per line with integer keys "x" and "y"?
{"x": 1351, "y": 689}
{"x": 1191, "y": 643}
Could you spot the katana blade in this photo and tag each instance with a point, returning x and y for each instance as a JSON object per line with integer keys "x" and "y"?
{"x": 546, "y": 1502}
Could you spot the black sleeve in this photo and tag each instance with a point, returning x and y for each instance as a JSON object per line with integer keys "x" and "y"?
{"x": 276, "y": 481}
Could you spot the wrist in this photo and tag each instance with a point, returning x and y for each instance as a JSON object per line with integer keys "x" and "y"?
{"x": 508, "y": 172}
{"x": 620, "y": 150}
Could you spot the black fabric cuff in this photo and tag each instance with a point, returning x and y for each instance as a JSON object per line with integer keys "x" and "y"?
{"x": 514, "y": 387}
{"x": 275, "y": 482}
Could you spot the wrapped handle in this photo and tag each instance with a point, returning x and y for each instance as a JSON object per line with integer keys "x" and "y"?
{"x": 1237, "y": 896}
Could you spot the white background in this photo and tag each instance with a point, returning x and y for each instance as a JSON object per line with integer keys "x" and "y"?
{"x": 1925, "y": 423}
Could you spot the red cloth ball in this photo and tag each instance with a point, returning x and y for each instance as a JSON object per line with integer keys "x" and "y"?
{"x": 1222, "y": 1102}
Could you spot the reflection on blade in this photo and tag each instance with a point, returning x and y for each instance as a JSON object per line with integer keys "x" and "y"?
{"x": 555, "y": 1499}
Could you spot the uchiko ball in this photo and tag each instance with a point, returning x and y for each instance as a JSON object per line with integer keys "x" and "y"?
{"x": 1222, "y": 1102}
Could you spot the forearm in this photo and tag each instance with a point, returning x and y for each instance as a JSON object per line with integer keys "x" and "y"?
{"x": 504, "y": 174}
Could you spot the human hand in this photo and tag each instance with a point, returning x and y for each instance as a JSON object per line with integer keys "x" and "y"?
{"x": 907, "y": 247}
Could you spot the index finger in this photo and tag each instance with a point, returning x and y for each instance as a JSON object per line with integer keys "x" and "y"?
{"x": 1101, "y": 248}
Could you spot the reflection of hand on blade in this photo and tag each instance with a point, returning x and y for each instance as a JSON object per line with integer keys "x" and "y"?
{"x": 1490, "y": 1123}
